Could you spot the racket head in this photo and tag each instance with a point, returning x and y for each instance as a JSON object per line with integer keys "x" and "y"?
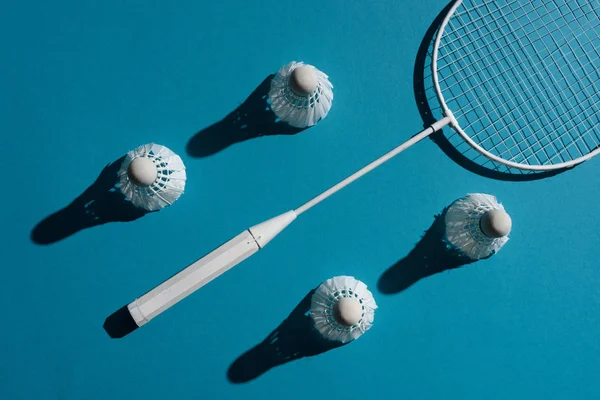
{"x": 521, "y": 80}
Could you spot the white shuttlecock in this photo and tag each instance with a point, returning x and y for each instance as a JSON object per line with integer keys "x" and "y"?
{"x": 152, "y": 177}
{"x": 477, "y": 225}
{"x": 300, "y": 94}
{"x": 342, "y": 309}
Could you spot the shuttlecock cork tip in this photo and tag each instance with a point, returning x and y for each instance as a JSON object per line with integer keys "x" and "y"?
{"x": 348, "y": 311}
{"x": 496, "y": 223}
{"x": 303, "y": 80}
{"x": 142, "y": 171}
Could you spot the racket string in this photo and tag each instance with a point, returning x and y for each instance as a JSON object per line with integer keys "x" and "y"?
{"x": 481, "y": 19}
{"x": 456, "y": 139}
{"x": 522, "y": 89}
{"x": 550, "y": 75}
{"x": 533, "y": 139}
{"x": 475, "y": 32}
{"x": 453, "y": 52}
{"x": 480, "y": 84}
{"x": 560, "y": 117}
{"x": 582, "y": 67}
{"x": 464, "y": 84}
{"x": 518, "y": 86}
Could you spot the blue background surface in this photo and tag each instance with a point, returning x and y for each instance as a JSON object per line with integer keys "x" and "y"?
{"x": 83, "y": 82}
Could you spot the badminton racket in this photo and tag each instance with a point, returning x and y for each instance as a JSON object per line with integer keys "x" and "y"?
{"x": 517, "y": 80}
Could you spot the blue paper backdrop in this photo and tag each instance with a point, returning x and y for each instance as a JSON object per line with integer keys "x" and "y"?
{"x": 82, "y": 82}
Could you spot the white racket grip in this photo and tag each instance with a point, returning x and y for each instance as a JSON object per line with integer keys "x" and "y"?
{"x": 207, "y": 268}
{"x": 193, "y": 278}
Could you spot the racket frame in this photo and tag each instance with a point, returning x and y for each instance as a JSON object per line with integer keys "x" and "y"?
{"x": 456, "y": 126}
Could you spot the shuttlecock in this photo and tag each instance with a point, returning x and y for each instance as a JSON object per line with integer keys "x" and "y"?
{"x": 152, "y": 177}
{"x": 300, "y": 94}
{"x": 342, "y": 309}
{"x": 477, "y": 225}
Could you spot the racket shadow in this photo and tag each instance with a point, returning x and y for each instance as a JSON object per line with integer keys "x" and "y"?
{"x": 293, "y": 339}
{"x": 430, "y": 256}
{"x": 451, "y": 143}
{"x": 252, "y": 119}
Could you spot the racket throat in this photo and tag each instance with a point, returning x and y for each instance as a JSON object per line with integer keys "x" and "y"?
{"x": 447, "y": 120}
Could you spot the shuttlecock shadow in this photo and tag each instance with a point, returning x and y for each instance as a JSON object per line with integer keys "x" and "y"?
{"x": 293, "y": 339}
{"x": 252, "y": 119}
{"x": 465, "y": 158}
{"x": 120, "y": 323}
{"x": 430, "y": 256}
{"x": 100, "y": 203}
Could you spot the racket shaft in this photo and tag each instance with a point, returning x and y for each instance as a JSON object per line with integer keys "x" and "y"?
{"x": 370, "y": 167}
{"x": 193, "y": 278}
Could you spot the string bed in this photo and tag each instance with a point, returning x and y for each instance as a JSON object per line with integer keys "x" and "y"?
{"x": 522, "y": 78}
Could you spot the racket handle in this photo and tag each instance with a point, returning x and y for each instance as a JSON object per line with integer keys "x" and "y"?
{"x": 206, "y": 269}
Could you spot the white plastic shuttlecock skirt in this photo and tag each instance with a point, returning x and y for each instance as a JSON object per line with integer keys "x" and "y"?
{"x": 300, "y": 111}
{"x": 463, "y": 230}
{"x": 326, "y": 297}
{"x": 169, "y": 183}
